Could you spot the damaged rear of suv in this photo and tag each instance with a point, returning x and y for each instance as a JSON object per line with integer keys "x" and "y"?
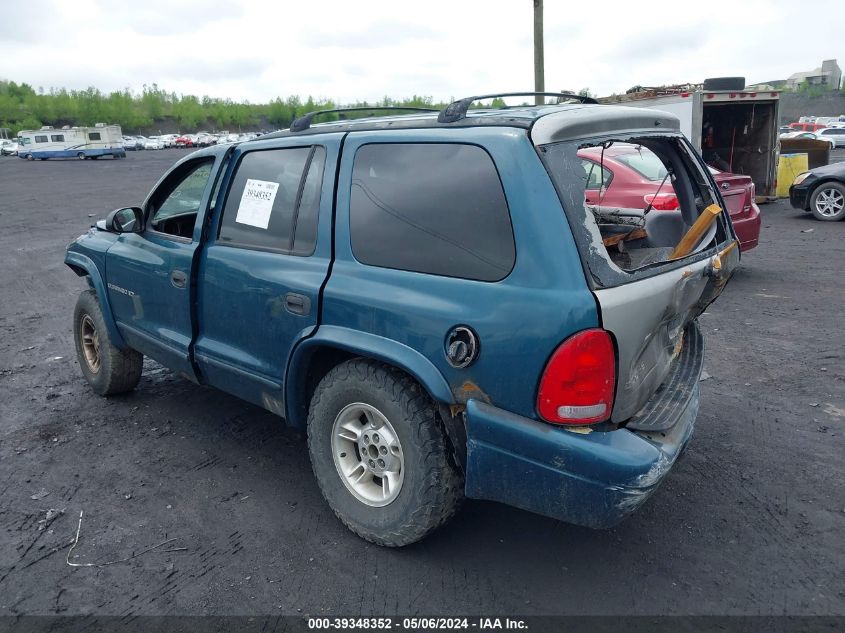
{"x": 624, "y": 396}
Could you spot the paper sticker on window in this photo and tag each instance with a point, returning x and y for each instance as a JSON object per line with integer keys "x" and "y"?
{"x": 257, "y": 203}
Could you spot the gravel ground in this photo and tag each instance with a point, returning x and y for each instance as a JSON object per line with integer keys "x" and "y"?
{"x": 751, "y": 521}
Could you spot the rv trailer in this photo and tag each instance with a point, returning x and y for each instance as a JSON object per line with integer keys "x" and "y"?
{"x": 71, "y": 142}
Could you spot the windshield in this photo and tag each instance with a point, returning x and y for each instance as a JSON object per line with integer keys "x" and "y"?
{"x": 632, "y": 202}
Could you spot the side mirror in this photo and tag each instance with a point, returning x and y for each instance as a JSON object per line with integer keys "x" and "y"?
{"x": 125, "y": 220}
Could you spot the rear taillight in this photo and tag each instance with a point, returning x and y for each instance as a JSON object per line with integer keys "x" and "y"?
{"x": 662, "y": 201}
{"x": 751, "y": 195}
{"x": 579, "y": 380}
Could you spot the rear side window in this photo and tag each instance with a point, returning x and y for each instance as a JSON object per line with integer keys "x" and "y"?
{"x": 431, "y": 208}
{"x": 94, "y": 136}
{"x": 273, "y": 201}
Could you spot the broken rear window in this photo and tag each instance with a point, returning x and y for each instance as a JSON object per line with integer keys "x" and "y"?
{"x": 631, "y": 200}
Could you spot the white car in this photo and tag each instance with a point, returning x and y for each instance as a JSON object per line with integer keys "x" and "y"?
{"x": 8, "y": 148}
{"x": 153, "y": 143}
{"x": 816, "y": 136}
{"x": 836, "y": 134}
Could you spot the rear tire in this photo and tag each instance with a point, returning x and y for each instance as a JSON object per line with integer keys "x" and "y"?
{"x": 411, "y": 487}
{"x": 828, "y": 202}
{"x": 108, "y": 369}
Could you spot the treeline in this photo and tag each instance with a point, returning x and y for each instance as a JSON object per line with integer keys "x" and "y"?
{"x": 24, "y": 108}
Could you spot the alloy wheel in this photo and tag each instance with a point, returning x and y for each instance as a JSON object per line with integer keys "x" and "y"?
{"x": 830, "y": 202}
{"x": 367, "y": 454}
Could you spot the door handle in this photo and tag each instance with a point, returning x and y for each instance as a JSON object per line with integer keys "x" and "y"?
{"x": 179, "y": 278}
{"x": 297, "y": 304}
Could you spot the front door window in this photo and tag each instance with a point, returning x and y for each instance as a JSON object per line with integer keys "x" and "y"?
{"x": 174, "y": 206}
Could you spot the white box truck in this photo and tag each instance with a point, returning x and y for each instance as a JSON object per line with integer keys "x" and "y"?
{"x": 735, "y": 130}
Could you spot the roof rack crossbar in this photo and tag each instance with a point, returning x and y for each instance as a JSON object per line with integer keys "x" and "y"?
{"x": 457, "y": 110}
{"x": 304, "y": 122}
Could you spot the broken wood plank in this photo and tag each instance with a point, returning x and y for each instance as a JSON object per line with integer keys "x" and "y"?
{"x": 636, "y": 234}
{"x": 696, "y": 231}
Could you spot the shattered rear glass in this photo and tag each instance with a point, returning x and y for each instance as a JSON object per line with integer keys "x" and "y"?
{"x": 632, "y": 200}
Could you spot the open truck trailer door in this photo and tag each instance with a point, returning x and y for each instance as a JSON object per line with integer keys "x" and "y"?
{"x": 735, "y": 131}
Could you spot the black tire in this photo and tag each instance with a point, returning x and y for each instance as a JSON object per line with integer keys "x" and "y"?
{"x": 80, "y": 155}
{"x": 116, "y": 370}
{"x": 432, "y": 488}
{"x": 832, "y": 193}
{"x": 30, "y": 157}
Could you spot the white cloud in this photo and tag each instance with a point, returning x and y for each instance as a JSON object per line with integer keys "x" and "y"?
{"x": 257, "y": 50}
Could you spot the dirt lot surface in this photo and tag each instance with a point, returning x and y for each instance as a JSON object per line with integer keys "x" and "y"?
{"x": 751, "y": 521}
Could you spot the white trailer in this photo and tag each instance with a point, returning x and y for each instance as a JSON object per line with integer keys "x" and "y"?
{"x": 735, "y": 130}
{"x": 71, "y": 142}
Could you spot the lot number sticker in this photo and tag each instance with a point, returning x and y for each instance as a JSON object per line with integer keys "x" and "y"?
{"x": 257, "y": 203}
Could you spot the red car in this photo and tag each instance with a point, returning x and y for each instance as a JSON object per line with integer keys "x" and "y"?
{"x": 184, "y": 141}
{"x": 632, "y": 177}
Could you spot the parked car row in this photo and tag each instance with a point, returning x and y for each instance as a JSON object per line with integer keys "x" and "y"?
{"x": 200, "y": 139}
{"x": 9, "y": 147}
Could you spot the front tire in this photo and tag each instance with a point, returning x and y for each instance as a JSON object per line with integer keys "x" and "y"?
{"x": 108, "y": 369}
{"x": 828, "y": 202}
{"x": 380, "y": 455}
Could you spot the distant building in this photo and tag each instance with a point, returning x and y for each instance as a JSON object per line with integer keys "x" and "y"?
{"x": 828, "y": 75}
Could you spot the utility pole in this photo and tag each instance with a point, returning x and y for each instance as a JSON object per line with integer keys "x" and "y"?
{"x": 539, "y": 81}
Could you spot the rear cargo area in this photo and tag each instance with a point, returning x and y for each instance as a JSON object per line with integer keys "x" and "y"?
{"x": 739, "y": 138}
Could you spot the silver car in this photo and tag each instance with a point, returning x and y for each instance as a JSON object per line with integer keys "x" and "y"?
{"x": 8, "y": 147}
{"x": 834, "y": 134}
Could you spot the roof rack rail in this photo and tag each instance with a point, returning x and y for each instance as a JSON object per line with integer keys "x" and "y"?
{"x": 304, "y": 122}
{"x": 457, "y": 110}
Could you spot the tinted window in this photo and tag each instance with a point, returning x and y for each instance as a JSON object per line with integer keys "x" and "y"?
{"x": 94, "y": 136}
{"x": 57, "y": 138}
{"x": 431, "y": 208}
{"x": 40, "y": 139}
{"x": 309, "y": 206}
{"x": 260, "y": 208}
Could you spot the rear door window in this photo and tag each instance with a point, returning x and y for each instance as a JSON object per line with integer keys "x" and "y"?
{"x": 431, "y": 208}
{"x": 273, "y": 201}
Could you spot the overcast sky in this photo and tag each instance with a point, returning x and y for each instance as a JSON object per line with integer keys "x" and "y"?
{"x": 347, "y": 50}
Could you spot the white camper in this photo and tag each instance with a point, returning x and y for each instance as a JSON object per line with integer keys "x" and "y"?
{"x": 71, "y": 142}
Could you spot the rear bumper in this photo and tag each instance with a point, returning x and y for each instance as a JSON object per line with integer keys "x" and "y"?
{"x": 593, "y": 478}
{"x": 747, "y": 228}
